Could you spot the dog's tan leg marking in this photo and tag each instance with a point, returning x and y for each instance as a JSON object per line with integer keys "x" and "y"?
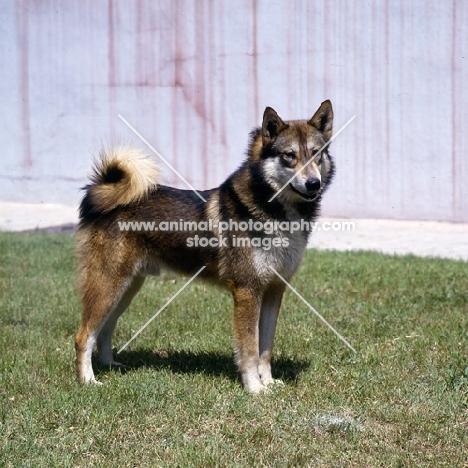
{"x": 246, "y": 317}
{"x": 268, "y": 317}
{"x": 104, "y": 339}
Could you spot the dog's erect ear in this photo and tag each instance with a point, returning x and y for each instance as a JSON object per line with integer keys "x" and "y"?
{"x": 272, "y": 125}
{"x": 323, "y": 119}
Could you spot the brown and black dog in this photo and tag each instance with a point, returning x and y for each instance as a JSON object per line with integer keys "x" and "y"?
{"x": 121, "y": 236}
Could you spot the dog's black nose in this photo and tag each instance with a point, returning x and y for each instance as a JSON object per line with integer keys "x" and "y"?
{"x": 312, "y": 185}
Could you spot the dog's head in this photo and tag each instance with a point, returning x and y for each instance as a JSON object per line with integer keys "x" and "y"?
{"x": 293, "y": 156}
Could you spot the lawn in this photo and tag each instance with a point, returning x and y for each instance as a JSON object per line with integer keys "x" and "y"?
{"x": 402, "y": 401}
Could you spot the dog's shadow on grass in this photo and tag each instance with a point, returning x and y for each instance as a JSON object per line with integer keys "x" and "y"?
{"x": 210, "y": 363}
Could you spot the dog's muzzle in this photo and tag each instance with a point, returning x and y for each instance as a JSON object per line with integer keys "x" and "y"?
{"x": 313, "y": 187}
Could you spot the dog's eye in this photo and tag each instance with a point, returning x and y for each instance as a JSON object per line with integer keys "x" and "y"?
{"x": 316, "y": 155}
{"x": 290, "y": 156}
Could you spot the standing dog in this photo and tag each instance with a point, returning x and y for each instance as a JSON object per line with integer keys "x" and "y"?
{"x": 114, "y": 261}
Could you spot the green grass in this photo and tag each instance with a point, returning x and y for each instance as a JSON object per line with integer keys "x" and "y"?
{"x": 401, "y": 402}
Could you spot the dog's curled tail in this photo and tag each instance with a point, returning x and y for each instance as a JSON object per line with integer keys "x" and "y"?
{"x": 122, "y": 175}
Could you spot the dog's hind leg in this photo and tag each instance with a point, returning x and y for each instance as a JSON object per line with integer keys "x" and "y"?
{"x": 246, "y": 318}
{"x": 101, "y": 295}
{"x": 268, "y": 317}
{"x": 104, "y": 338}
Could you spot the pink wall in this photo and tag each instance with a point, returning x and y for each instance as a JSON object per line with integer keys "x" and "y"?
{"x": 194, "y": 77}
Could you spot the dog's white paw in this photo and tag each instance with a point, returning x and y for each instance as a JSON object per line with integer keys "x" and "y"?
{"x": 257, "y": 389}
{"x": 252, "y": 383}
{"x": 91, "y": 381}
{"x": 273, "y": 383}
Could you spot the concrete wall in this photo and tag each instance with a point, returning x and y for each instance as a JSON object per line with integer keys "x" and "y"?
{"x": 194, "y": 76}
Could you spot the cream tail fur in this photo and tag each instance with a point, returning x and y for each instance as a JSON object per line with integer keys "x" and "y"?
{"x": 121, "y": 175}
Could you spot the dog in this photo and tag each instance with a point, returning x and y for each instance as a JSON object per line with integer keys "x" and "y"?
{"x": 113, "y": 262}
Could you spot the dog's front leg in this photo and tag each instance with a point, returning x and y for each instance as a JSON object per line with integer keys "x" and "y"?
{"x": 246, "y": 317}
{"x": 268, "y": 317}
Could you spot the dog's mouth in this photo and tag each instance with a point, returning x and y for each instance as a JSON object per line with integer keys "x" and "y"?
{"x": 310, "y": 196}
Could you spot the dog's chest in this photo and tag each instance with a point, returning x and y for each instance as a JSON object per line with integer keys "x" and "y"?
{"x": 284, "y": 259}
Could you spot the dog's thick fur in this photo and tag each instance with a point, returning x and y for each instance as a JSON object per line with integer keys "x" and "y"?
{"x": 113, "y": 263}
